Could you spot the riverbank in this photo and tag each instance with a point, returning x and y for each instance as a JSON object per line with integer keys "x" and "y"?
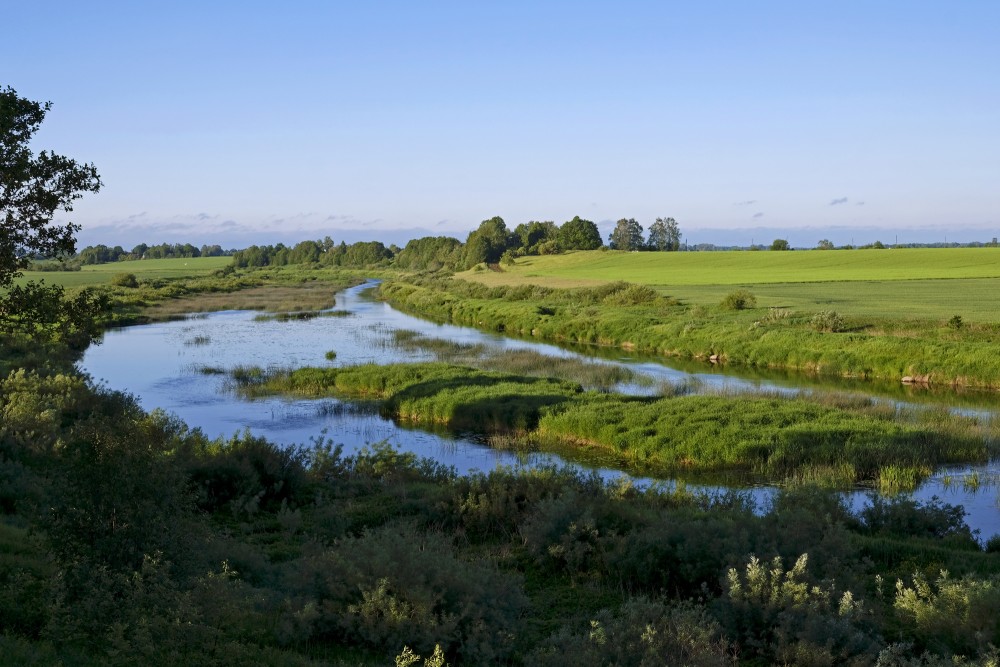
{"x": 636, "y": 317}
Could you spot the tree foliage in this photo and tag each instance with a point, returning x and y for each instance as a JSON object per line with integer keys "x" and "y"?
{"x": 33, "y": 188}
{"x": 627, "y": 235}
{"x": 579, "y": 234}
{"x": 665, "y": 235}
{"x": 488, "y": 243}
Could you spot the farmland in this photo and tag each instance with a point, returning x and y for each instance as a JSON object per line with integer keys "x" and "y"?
{"x": 911, "y": 284}
{"x": 100, "y": 274}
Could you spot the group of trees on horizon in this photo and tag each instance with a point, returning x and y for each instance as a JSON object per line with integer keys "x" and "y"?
{"x": 102, "y": 254}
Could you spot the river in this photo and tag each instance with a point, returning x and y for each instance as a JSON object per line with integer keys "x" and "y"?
{"x": 160, "y": 364}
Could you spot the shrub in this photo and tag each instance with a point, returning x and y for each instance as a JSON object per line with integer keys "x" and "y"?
{"x": 790, "y": 621}
{"x": 741, "y": 299}
{"x": 124, "y": 280}
{"x": 959, "y": 615}
{"x": 642, "y": 633}
{"x": 955, "y": 322}
{"x": 401, "y": 585}
{"x": 910, "y": 518}
{"x": 827, "y": 320}
{"x": 777, "y": 314}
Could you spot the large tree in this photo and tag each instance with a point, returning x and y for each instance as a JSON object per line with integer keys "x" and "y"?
{"x": 579, "y": 234}
{"x": 627, "y": 235}
{"x": 488, "y": 243}
{"x": 33, "y": 188}
{"x": 664, "y": 234}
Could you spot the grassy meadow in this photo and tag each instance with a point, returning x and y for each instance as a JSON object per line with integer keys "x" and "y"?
{"x": 94, "y": 275}
{"x": 911, "y": 283}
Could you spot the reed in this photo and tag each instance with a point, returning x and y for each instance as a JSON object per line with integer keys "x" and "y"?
{"x": 832, "y": 441}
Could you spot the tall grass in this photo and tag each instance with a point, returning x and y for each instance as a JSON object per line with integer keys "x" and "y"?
{"x": 865, "y": 348}
{"x": 301, "y": 315}
{"x": 832, "y": 440}
{"x": 591, "y": 375}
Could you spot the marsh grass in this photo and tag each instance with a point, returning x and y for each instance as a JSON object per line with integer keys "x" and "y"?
{"x": 302, "y": 315}
{"x": 456, "y": 397}
{"x": 512, "y": 441}
{"x": 591, "y": 375}
{"x": 198, "y": 341}
{"x": 833, "y": 441}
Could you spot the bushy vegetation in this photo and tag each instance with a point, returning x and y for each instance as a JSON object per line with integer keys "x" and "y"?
{"x": 739, "y": 300}
{"x": 151, "y": 544}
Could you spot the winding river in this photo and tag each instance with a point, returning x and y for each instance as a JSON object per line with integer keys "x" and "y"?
{"x": 161, "y": 365}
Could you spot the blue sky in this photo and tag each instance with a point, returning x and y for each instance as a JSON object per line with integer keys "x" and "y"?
{"x": 235, "y": 122}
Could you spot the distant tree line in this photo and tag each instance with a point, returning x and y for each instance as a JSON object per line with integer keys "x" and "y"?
{"x": 360, "y": 254}
{"x": 102, "y": 254}
{"x": 490, "y": 243}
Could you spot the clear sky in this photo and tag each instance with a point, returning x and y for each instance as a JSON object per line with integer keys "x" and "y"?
{"x": 233, "y": 121}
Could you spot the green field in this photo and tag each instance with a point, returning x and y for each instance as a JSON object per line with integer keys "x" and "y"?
{"x": 923, "y": 284}
{"x": 100, "y": 274}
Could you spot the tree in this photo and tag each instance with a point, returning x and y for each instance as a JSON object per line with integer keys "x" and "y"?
{"x": 488, "y": 243}
{"x": 627, "y": 235}
{"x": 779, "y": 244}
{"x": 533, "y": 234}
{"x": 32, "y": 189}
{"x": 824, "y": 244}
{"x": 579, "y": 234}
{"x": 664, "y": 235}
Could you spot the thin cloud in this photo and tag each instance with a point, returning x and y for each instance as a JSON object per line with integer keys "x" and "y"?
{"x": 837, "y": 202}
{"x": 748, "y": 202}
{"x": 758, "y": 215}
{"x": 860, "y": 203}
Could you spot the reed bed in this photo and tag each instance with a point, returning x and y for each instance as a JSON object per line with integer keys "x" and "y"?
{"x": 301, "y": 315}
{"x": 834, "y": 441}
{"x": 589, "y": 374}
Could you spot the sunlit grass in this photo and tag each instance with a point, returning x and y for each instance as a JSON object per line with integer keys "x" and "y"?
{"x": 832, "y": 441}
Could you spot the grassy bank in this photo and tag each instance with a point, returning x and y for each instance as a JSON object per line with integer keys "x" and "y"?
{"x": 638, "y": 317}
{"x": 836, "y": 441}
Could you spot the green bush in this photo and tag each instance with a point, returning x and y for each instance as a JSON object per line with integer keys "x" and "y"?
{"x": 643, "y": 633}
{"x": 827, "y": 320}
{"x": 124, "y": 280}
{"x": 401, "y": 585}
{"x": 951, "y": 615}
{"x": 739, "y": 300}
